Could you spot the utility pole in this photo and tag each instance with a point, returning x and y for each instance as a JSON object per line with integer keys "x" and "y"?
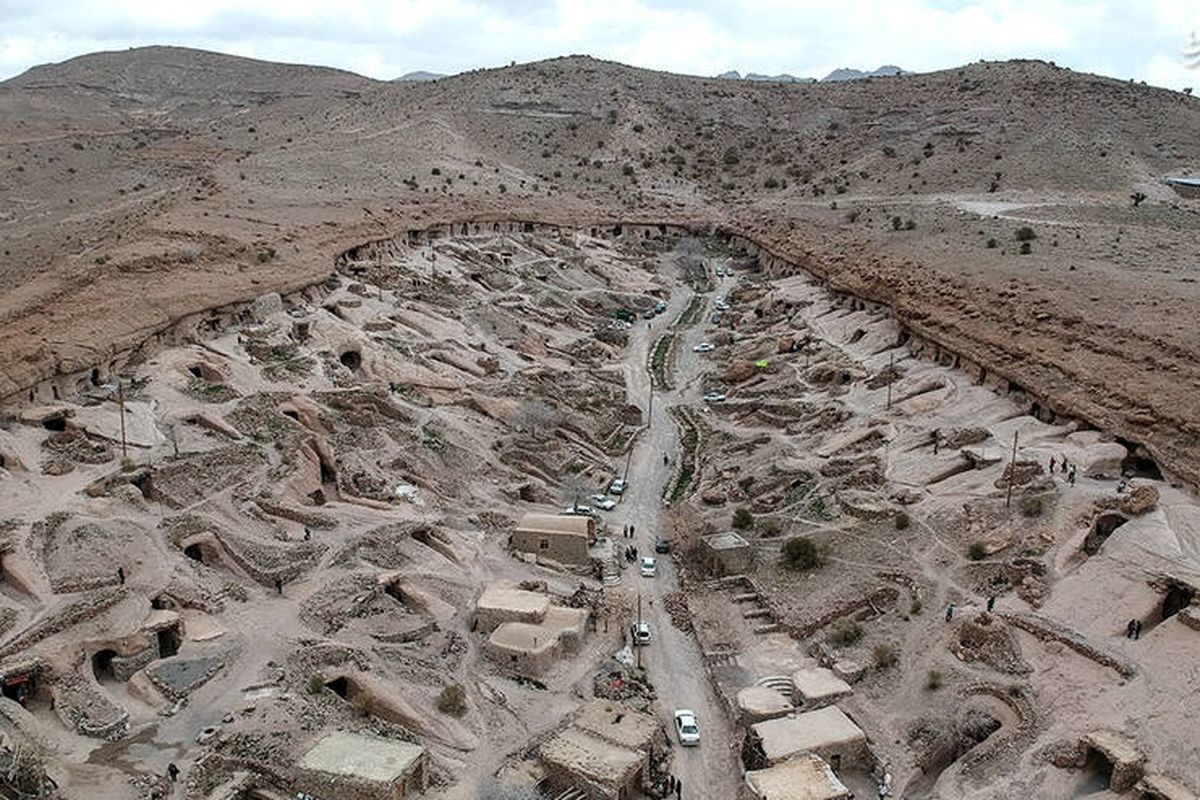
{"x": 636, "y": 646}
{"x": 121, "y": 407}
{"x": 1012, "y": 472}
{"x": 891, "y": 371}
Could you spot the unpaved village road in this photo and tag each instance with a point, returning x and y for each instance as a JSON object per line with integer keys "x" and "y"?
{"x": 673, "y": 659}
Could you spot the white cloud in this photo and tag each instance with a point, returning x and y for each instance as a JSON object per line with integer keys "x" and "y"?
{"x": 383, "y": 38}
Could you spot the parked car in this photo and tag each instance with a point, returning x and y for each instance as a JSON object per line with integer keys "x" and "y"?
{"x": 639, "y": 632}
{"x": 714, "y": 397}
{"x": 662, "y": 545}
{"x": 579, "y": 511}
{"x": 649, "y": 567}
{"x": 618, "y": 486}
{"x": 704, "y": 347}
{"x": 660, "y": 307}
{"x": 603, "y": 502}
{"x": 687, "y": 727}
{"x": 648, "y": 314}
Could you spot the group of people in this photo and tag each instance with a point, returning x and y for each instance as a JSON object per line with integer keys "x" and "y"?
{"x": 674, "y": 787}
{"x": 631, "y": 553}
{"x": 627, "y": 532}
{"x": 1133, "y": 629}
{"x": 1067, "y": 468}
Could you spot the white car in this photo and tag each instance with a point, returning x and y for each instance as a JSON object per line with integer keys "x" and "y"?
{"x": 649, "y": 567}
{"x": 687, "y": 727}
{"x": 714, "y": 397}
{"x": 618, "y": 486}
{"x": 639, "y": 632}
{"x": 579, "y": 511}
{"x": 704, "y": 347}
{"x": 603, "y": 502}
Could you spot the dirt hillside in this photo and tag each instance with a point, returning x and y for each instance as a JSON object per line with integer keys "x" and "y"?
{"x": 142, "y": 186}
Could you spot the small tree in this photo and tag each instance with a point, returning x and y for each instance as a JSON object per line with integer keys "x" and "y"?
{"x": 742, "y": 519}
{"x": 803, "y": 553}
{"x": 731, "y": 156}
{"x": 1137, "y": 198}
{"x": 452, "y": 700}
{"x": 977, "y": 551}
{"x": 933, "y": 681}
{"x": 1025, "y": 234}
{"x": 885, "y": 656}
{"x": 902, "y": 520}
{"x": 1026, "y": 248}
{"x": 845, "y": 633}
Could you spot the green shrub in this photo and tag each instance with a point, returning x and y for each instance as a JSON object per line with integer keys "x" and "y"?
{"x": 316, "y": 683}
{"x": 731, "y": 156}
{"x": 803, "y": 553}
{"x": 452, "y": 700}
{"x": 885, "y": 656}
{"x": 1026, "y": 248}
{"x": 845, "y": 633}
{"x": 897, "y": 223}
{"x": 933, "y": 681}
{"x": 1025, "y": 234}
{"x": 771, "y": 183}
{"x": 770, "y": 527}
{"x": 977, "y": 551}
{"x": 902, "y": 520}
{"x": 743, "y": 519}
{"x": 992, "y": 243}
{"x": 916, "y": 605}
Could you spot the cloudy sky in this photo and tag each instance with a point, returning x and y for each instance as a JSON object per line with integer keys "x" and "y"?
{"x": 1139, "y": 39}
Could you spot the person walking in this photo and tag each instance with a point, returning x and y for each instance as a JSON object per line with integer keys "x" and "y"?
{"x": 678, "y": 789}
{"x": 631, "y": 531}
{"x": 278, "y": 586}
{"x": 949, "y": 612}
{"x": 991, "y": 603}
{"x": 173, "y": 772}
{"x": 1071, "y": 476}
{"x": 1137, "y": 629}
{"x": 1129, "y": 628}
{"x": 1052, "y": 462}
{"x": 121, "y": 575}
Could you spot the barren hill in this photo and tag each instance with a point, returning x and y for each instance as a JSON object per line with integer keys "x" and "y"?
{"x": 143, "y": 186}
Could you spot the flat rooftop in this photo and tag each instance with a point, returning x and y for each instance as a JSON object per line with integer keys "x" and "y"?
{"x": 523, "y": 637}
{"x": 359, "y": 755}
{"x": 817, "y": 683}
{"x": 810, "y": 731}
{"x": 502, "y": 597}
{"x": 617, "y": 723}
{"x": 587, "y": 755}
{"x": 802, "y": 777}
{"x": 555, "y": 523}
{"x": 725, "y": 541}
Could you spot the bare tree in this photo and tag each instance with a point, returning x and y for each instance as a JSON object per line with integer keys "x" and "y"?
{"x": 574, "y": 488}
{"x": 691, "y": 258}
{"x": 537, "y": 418}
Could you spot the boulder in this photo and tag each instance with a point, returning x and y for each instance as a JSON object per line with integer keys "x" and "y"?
{"x": 1139, "y": 500}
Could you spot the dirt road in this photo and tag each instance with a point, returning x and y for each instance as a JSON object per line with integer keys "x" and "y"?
{"x": 673, "y": 659}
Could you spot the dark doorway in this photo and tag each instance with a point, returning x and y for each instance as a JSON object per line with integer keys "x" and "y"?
{"x": 102, "y": 665}
{"x": 145, "y": 484}
{"x": 95, "y": 376}
{"x": 1138, "y": 464}
{"x": 339, "y": 686}
{"x": 57, "y": 424}
{"x": 194, "y": 552}
{"x": 19, "y": 688}
{"x": 1178, "y": 597}
{"x": 394, "y": 591}
{"x": 196, "y": 371}
{"x": 169, "y": 641}
{"x": 1097, "y": 772}
{"x": 1103, "y": 527}
{"x": 351, "y": 359}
